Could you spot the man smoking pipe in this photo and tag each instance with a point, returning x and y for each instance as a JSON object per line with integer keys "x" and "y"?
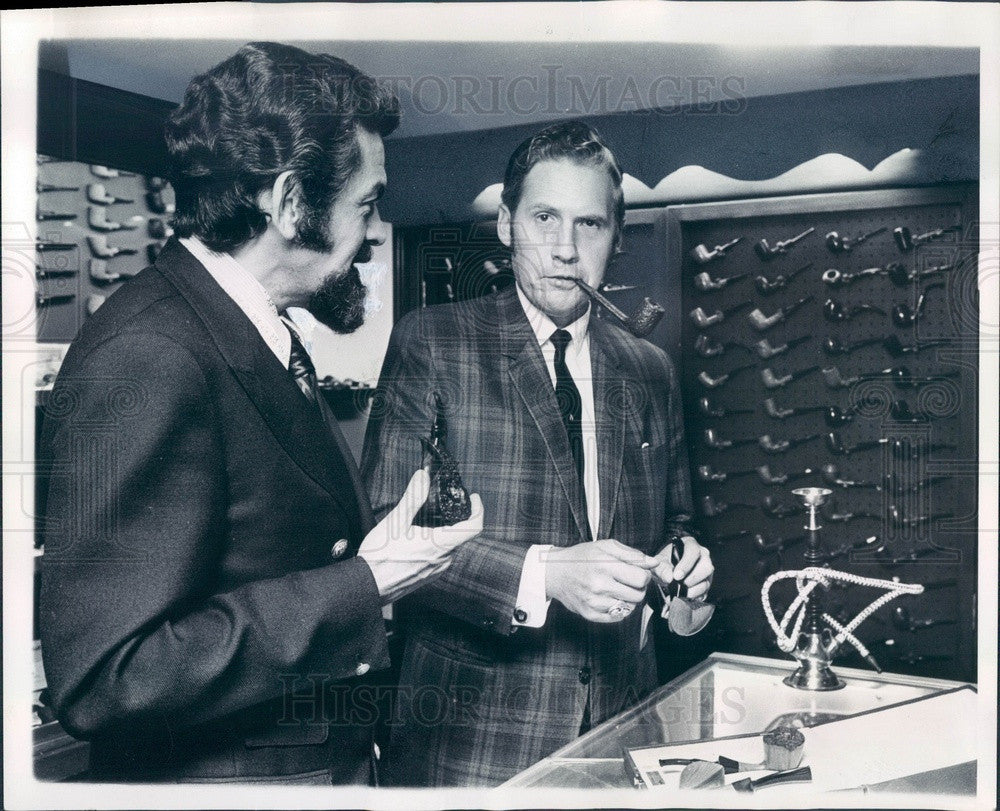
{"x": 836, "y": 311}
{"x": 765, "y": 252}
{"x": 838, "y": 244}
{"x": 761, "y": 322}
{"x": 767, "y": 286}
{"x": 702, "y": 255}
{"x": 767, "y": 351}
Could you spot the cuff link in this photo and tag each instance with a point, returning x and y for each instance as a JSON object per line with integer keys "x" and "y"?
{"x": 520, "y": 615}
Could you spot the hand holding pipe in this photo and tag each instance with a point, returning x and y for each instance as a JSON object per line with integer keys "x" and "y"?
{"x": 767, "y": 286}
{"x": 839, "y": 244}
{"x": 836, "y": 311}
{"x": 769, "y": 445}
{"x": 714, "y": 382}
{"x": 772, "y": 381}
{"x": 707, "y": 284}
{"x": 642, "y": 322}
{"x": 765, "y": 252}
{"x": 767, "y": 351}
{"x": 703, "y": 255}
{"x": 905, "y": 240}
{"x": 703, "y": 319}
{"x": 761, "y": 322}
{"x": 705, "y": 407}
{"x": 833, "y": 345}
{"x": 708, "y": 347}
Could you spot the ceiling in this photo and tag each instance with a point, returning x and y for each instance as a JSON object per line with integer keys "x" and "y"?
{"x": 449, "y": 87}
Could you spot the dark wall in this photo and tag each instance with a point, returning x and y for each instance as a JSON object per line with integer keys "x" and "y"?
{"x": 435, "y": 179}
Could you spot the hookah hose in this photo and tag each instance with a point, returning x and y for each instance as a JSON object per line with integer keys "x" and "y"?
{"x": 816, "y": 576}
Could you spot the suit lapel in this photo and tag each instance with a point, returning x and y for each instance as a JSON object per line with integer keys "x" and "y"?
{"x": 294, "y": 421}
{"x": 611, "y": 397}
{"x": 527, "y": 374}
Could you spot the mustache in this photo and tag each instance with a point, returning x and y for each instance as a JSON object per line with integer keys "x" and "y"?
{"x": 363, "y": 255}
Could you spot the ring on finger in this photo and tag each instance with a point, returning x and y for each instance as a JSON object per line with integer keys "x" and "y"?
{"x": 620, "y": 609}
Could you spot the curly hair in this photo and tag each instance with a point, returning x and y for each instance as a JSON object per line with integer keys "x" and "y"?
{"x": 571, "y": 140}
{"x": 268, "y": 109}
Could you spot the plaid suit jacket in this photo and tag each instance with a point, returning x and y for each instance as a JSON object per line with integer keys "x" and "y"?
{"x": 479, "y": 700}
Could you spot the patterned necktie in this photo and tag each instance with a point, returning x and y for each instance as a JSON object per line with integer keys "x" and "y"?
{"x": 570, "y": 404}
{"x": 302, "y": 369}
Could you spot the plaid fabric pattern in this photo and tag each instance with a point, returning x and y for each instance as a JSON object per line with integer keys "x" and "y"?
{"x": 480, "y": 701}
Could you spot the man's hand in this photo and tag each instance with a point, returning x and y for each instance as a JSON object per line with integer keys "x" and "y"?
{"x": 694, "y": 568}
{"x": 403, "y": 556}
{"x": 590, "y": 578}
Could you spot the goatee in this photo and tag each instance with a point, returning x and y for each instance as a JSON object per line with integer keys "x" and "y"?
{"x": 340, "y": 302}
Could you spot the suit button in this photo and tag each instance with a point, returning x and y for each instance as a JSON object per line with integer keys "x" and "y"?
{"x": 363, "y": 668}
{"x": 520, "y": 615}
{"x": 584, "y": 675}
{"x": 338, "y": 548}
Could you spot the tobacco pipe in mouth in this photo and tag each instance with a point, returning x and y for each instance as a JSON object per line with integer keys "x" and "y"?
{"x": 641, "y": 323}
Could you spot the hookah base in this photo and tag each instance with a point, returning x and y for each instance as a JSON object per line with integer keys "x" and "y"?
{"x": 811, "y": 676}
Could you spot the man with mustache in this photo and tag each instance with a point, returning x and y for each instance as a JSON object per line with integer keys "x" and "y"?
{"x": 213, "y": 579}
{"x": 570, "y": 428}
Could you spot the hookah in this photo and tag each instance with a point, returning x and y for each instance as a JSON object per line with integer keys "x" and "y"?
{"x": 801, "y": 631}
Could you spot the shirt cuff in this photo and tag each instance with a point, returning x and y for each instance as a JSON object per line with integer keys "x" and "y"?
{"x": 531, "y": 606}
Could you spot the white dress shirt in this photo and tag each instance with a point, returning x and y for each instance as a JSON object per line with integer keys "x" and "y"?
{"x": 531, "y": 597}
{"x": 251, "y": 297}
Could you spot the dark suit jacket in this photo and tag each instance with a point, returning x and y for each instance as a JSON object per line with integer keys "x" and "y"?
{"x": 192, "y": 579}
{"x": 479, "y": 703}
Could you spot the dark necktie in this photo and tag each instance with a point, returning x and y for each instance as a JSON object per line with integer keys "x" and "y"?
{"x": 302, "y": 369}
{"x": 570, "y": 404}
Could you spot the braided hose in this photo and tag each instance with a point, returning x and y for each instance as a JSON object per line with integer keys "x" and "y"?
{"x": 808, "y": 579}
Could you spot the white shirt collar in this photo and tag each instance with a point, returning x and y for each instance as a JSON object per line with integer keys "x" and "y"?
{"x": 248, "y": 294}
{"x": 543, "y": 327}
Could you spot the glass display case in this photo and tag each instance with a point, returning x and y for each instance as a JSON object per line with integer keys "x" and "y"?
{"x": 727, "y": 695}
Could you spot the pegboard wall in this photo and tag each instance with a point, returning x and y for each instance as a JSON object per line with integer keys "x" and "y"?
{"x": 847, "y": 364}
{"x": 97, "y": 227}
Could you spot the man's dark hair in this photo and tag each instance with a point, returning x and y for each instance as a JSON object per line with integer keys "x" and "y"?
{"x": 569, "y": 140}
{"x": 268, "y": 109}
